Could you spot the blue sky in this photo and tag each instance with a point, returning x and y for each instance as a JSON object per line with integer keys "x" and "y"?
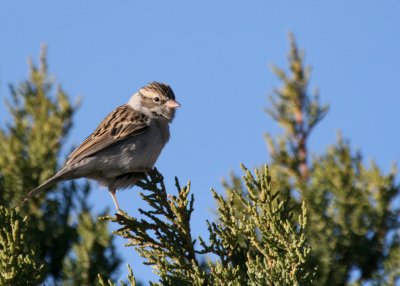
{"x": 216, "y": 57}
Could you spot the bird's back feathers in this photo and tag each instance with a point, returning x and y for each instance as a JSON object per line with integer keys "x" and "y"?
{"x": 123, "y": 122}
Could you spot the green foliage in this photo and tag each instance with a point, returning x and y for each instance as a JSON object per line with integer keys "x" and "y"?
{"x": 30, "y": 144}
{"x": 258, "y": 245}
{"x": 353, "y": 203}
{"x": 354, "y": 223}
{"x": 94, "y": 252}
{"x": 257, "y": 237}
{"x": 163, "y": 237}
{"x": 19, "y": 261}
{"x": 297, "y": 113}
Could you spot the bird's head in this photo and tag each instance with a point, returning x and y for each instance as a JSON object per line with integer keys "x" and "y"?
{"x": 155, "y": 100}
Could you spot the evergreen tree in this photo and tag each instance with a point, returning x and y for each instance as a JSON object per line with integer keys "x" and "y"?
{"x": 354, "y": 222}
{"x": 30, "y": 145}
{"x": 261, "y": 235}
{"x": 263, "y": 245}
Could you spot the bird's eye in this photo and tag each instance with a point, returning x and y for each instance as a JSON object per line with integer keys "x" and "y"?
{"x": 156, "y": 99}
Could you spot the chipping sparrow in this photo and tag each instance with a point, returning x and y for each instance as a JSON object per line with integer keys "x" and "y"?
{"x": 126, "y": 144}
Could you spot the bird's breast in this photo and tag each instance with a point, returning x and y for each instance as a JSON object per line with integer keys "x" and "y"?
{"x": 145, "y": 151}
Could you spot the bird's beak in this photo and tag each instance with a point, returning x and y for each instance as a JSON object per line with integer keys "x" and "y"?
{"x": 172, "y": 104}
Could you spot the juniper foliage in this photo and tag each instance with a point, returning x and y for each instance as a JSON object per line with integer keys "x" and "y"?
{"x": 30, "y": 145}
{"x": 261, "y": 246}
{"x": 20, "y": 263}
{"x": 354, "y": 218}
{"x": 94, "y": 252}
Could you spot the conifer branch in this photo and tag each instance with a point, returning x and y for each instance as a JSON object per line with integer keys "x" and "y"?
{"x": 163, "y": 236}
{"x": 254, "y": 239}
{"x": 20, "y": 263}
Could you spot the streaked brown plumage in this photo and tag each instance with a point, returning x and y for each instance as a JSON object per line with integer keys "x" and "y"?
{"x": 119, "y": 124}
{"x": 125, "y": 145}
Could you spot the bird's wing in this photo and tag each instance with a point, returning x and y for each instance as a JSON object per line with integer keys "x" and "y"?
{"x": 120, "y": 124}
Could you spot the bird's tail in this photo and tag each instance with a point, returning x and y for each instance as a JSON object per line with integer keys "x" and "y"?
{"x": 43, "y": 187}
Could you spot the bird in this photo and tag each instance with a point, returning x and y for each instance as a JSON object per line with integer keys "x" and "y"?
{"x": 125, "y": 145}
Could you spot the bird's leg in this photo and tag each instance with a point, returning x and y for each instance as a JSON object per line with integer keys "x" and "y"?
{"x": 112, "y": 193}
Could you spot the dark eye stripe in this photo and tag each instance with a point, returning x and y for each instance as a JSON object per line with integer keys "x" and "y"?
{"x": 148, "y": 102}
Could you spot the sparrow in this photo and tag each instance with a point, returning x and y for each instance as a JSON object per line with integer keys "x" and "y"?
{"x": 126, "y": 144}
